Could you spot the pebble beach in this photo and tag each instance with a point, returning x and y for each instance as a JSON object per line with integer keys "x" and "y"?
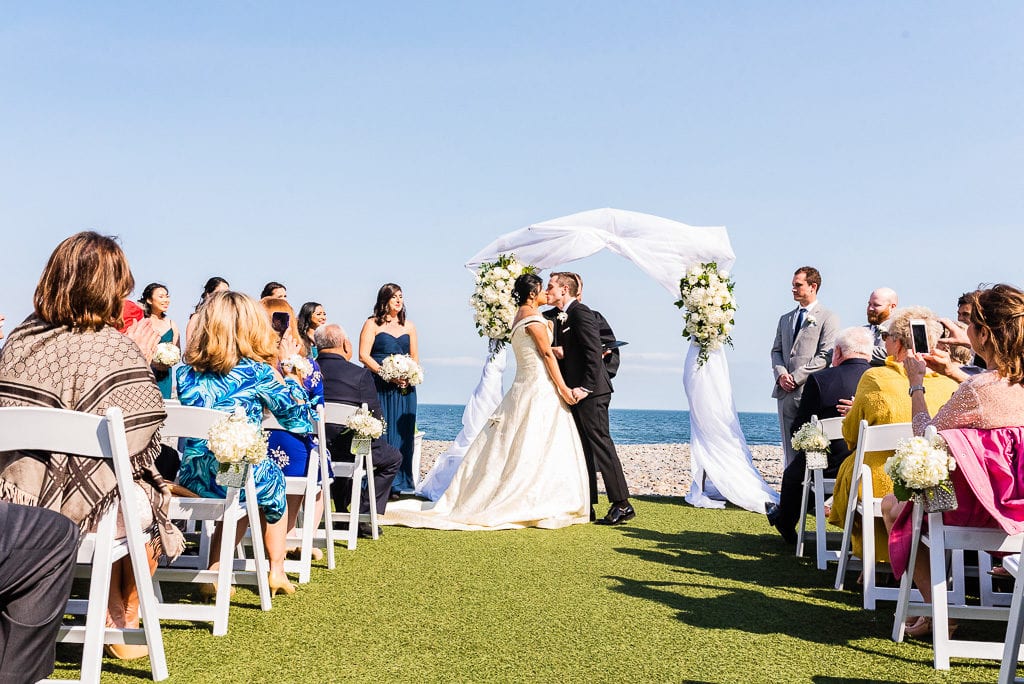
{"x": 652, "y": 469}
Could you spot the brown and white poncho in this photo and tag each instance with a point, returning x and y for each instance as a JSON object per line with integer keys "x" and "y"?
{"x": 56, "y": 367}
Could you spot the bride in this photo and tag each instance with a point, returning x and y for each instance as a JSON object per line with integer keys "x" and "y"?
{"x": 526, "y": 467}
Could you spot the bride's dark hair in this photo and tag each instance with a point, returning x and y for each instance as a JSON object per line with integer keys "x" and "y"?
{"x": 525, "y": 287}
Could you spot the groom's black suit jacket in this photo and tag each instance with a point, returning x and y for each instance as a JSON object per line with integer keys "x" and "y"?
{"x": 611, "y": 359}
{"x": 580, "y": 338}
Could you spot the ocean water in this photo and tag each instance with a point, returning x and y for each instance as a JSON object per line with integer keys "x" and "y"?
{"x": 628, "y": 426}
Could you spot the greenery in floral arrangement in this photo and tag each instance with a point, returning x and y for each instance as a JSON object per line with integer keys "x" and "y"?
{"x": 493, "y": 306}
{"x": 706, "y": 294}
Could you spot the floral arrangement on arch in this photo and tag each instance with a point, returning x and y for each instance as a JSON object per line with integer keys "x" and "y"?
{"x": 706, "y": 294}
{"x": 493, "y": 306}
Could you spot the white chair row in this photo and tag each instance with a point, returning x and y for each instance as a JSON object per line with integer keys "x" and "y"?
{"x": 819, "y": 486}
{"x": 103, "y": 437}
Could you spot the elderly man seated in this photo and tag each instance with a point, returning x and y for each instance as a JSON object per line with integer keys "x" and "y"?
{"x": 347, "y": 383}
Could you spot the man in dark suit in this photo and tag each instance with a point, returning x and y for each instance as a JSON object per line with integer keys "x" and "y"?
{"x": 580, "y": 360}
{"x": 347, "y": 383}
{"x": 604, "y": 328}
{"x": 851, "y": 356}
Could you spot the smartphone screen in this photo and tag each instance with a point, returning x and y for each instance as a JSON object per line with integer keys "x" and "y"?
{"x": 279, "y": 320}
{"x": 919, "y": 333}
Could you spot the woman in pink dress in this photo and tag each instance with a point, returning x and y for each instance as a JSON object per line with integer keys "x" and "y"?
{"x": 989, "y": 400}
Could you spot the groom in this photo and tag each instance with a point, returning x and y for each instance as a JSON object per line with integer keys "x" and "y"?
{"x": 577, "y": 345}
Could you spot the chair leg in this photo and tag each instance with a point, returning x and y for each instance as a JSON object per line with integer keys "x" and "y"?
{"x": 258, "y": 552}
{"x": 222, "y": 601}
{"x": 820, "y": 536}
{"x": 149, "y": 614}
{"x": 308, "y": 512}
{"x": 1014, "y": 627}
{"x": 325, "y": 492}
{"x": 906, "y": 582}
{"x": 940, "y": 607}
{"x": 803, "y": 514}
{"x": 99, "y": 594}
{"x": 371, "y": 492}
{"x": 353, "y": 508}
{"x": 846, "y": 548}
{"x": 867, "y": 523}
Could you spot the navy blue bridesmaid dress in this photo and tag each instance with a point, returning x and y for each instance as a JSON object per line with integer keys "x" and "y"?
{"x": 398, "y": 406}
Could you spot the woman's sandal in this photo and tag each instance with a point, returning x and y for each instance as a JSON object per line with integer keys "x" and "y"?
{"x": 922, "y": 626}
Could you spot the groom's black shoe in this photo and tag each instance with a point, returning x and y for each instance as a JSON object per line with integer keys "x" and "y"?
{"x": 771, "y": 510}
{"x": 618, "y": 514}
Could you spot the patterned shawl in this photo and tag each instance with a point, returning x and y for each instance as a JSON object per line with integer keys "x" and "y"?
{"x": 56, "y": 367}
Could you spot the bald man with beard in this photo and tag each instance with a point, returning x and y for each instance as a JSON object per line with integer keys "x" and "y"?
{"x": 881, "y": 304}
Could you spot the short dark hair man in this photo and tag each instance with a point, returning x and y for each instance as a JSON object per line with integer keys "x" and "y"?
{"x": 347, "y": 383}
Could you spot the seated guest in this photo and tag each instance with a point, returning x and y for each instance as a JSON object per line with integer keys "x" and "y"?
{"x": 882, "y": 399}
{"x": 233, "y": 362}
{"x": 987, "y": 401}
{"x": 69, "y": 355}
{"x": 851, "y": 356}
{"x": 347, "y": 383}
{"x": 292, "y": 450}
{"x": 37, "y": 563}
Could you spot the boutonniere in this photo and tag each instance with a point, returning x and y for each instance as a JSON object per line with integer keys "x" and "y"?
{"x": 810, "y": 320}
{"x": 562, "y": 317}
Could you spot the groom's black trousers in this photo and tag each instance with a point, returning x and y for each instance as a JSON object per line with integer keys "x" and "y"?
{"x": 591, "y": 416}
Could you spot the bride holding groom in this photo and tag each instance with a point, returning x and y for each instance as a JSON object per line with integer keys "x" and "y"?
{"x": 535, "y": 462}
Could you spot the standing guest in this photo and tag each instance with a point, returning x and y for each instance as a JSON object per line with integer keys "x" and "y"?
{"x": 292, "y": 450}
{"x": 213, "y": 285}
{"x": 37, "y": 563}
{"x": 275, "y": 290}
{"x": 311, "y": 317}
{"x": 388, "y": 332}
{"x": 347, "y": 383}
{"x": 802, "y": 341}
{"x": 232, "y": 363}
{"x": 881, "y": 304}
{"x": 69, "y": 354}
{"x": 579, "y": 341}
{"x": 156, "y": 300}
{"x": 881, "y": 399}
{"x": 822, "y": 392}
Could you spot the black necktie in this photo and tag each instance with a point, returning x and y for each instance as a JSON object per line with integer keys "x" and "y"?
{"x": 799, "y": 320}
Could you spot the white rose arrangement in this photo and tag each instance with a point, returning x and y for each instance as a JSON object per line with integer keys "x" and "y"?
{"x": 809, "y": 438}
{"x": 364, "y": 424}
{"x": 167, "y": 354}
{"x": 706, "y": 294}
{"x": 918, "y": 465}
{"x": 299, "y": 363}
{"x": 234, "y": 440}
{"x": 493, "y": 306}
{"x": 401, "y": 367}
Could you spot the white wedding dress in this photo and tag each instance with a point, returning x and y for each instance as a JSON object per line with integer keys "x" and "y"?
{"x": 524, "y": 469}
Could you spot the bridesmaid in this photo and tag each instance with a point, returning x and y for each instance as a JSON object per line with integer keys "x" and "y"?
{"x": 156, "y": 300}
{"x": 311, "y": 317}
{"x": 388, "y": 332}
{"x": 213, "y": 286}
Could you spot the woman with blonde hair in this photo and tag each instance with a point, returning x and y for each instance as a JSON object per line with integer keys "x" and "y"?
{"x": 881, "y": 399}
{"x": 233, "y": 363}
{"x": 69, "y": 354}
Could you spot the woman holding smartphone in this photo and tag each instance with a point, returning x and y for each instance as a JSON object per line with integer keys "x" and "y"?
{"x": 882, "y": 398}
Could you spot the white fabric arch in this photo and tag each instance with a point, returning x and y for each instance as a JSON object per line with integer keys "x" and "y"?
{"x": 663, "y": 249}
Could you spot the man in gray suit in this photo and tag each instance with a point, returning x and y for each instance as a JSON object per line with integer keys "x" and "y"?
{"x": 804, "y": 338}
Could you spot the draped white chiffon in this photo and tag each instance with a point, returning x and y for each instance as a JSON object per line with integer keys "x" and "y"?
{"x": 524, "y": 469}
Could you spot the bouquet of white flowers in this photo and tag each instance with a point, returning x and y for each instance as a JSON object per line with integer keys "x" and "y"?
{"x": 401, "y": 367}
{"x": 921, "y": 467}
{"x": 707, "y": 296}
{"x": 167, "y": 354}
{"x": 364, "y": 424}
{"x": 810, "y": 440}
{"x": 493, "y": 306}
{"x": 299, "y": 363}
{"x": 236, "y": 443}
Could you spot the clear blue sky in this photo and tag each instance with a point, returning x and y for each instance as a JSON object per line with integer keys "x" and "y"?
{"x": 337, "y": 146}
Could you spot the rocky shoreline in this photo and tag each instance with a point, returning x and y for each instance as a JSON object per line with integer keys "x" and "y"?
{"x": 652, "y": 469}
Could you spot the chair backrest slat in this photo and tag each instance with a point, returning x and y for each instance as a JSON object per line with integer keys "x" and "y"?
{"x": 25, "y": 428}
{"x": 189, "y": 421}
{"x": 832, "y": 428}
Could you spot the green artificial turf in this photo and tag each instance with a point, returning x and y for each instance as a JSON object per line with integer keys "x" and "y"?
{"x": 679, "y": 594}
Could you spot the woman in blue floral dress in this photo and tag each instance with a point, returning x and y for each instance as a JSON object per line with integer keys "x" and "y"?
{"x": 229, "y": 365}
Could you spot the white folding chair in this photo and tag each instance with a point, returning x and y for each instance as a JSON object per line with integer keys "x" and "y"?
{"x": 92, "y": 436}
{"x": 952, "y": 541}
{"x": 360, "y": 467}
{"x": 869, "y": 438}
{"x": 1012, "y": 653}
{"x": 305, "y": 486}
{"x": 195, "y": 422}
{"x": 815, "y": 482}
